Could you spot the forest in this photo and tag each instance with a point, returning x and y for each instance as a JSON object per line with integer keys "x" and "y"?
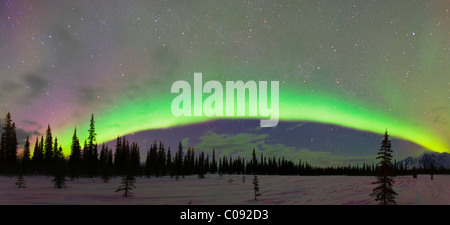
{"x": 91, "y": 160}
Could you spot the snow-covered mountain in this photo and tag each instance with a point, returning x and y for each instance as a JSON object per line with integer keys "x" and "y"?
{"x": 439, "y": 160}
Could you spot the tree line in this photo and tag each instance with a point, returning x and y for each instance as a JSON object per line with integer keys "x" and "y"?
{"x": 87, "y": 160}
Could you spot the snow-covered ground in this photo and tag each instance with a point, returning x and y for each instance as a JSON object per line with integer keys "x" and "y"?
{"x": 216, "y": 190}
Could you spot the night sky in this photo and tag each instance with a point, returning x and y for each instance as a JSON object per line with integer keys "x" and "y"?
{"x": 359, "y": 67}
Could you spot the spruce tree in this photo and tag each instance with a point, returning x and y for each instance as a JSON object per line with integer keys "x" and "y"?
{"x": 59, "y": 180}
{"x": 254, "y": 163}
{"x": 201, "y": 166}
{"x": 384, "y": 193}
{"x": 75, "y": 156}
{"x": 57, "y": 151}
{"x": 90, "y": 156}
{"x": 161, "y": 159}
{"x": 135, "y": 159}
{"x": 5, "y": 141}
{"x": 75, "y": 148}
{"x": 179, "y": 161}
{"x": 127, "y": 185}
{"x": 85, "y": 153}
{"x": 11, "y": 155}
{"x": 151, "y": 161}
{"x": 256, "y": 186}
{"x": 59, "y": 155}
{"x": 26, "y": 153}
{"x": 169, "y": 160}
{"x": 118, "y": 161}
{"x": 8, "y": 142}
{"x": 104, "y": 164}
{"x": 41, "y": 145}
{"x": 91, "y": 141}
{"x": 20, "y": 182}
{"x": 37, "y": 152}
{"x": 92, "y": 135}
{"x": 48, "y": 145}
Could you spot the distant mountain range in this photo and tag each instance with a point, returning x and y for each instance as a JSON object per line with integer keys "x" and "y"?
{"x": 439, "y": 160}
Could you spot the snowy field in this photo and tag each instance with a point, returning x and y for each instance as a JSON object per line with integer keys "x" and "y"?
{"x": 216, "y": 190}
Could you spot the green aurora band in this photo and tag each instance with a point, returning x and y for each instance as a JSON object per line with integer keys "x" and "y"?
{"x": 134, "y": 117}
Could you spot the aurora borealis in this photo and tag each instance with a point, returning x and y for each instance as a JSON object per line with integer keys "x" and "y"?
{"x": 365, "y": 65}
